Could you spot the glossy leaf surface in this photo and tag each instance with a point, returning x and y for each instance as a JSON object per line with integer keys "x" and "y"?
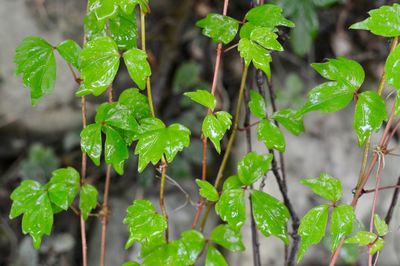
{"x": 143, "y": 222}
{"x": 214, "y": 257}
{"x": 87, "y": 200}
{"x": 253, "y": 166}
{"x": 225, "y": 236}
{"x": 202, "y": 97}
{"x": 369, "y": 115}
{"x": 231, "y": 207}
{"x": 70, "y": 51}
{"x": 115, "y": 150}
{"x": 35, "y": 61}
{"x": 123, "y": 30}
{"x": 270, "y": 215}
{"x": 268, "y": 15}
{"x": 257, "y": 105}
{"x": 91, "y": 142}
{"x": 63, "y": 187}
{"x": 325, "y": 186}
{"x": 207, "y": 190}
{"x": 362, "y": 238}
{"x": 312, "y": 228}
{"x": 290, "y": 119}
{"x": 99, "y": 64}
{"x": 215, "y": 126}
{"x": 380, "y": 226}
{"x": 221, "y": 29}
{"x": 266, "y": 38}
{"x": 138, "y": 66}
{"x": 383, "y": 21}
{"x": 271, "y": 135}
{"x": 343, "y": 217}
{"x": 392, "y": 68}
{"x": 252, "y": 52}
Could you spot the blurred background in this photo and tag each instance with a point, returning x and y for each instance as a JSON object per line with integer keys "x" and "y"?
{"x": 34, "y": 141}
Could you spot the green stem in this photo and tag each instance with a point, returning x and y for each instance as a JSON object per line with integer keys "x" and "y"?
{"x": 143, "y": 39}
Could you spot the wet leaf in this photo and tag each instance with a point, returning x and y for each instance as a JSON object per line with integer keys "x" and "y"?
{"x": 231, "y": 207}
{"x": 214, "y": 257}
{"x": 325, "y": 186}
{"x": 362, "y": 238}
{"x": 36, "y": 63}
{"x": 63, "y": 187}
{"x": 271, "y": 135}
{"x": 91, "y": 142}
{"x": 270, "y": 215}
{"x": 225, "y": 236}
{"x": 268, "y": 15}
{"x": 369, "y": 115}
{"x": 70, "y": 51}
{"x": 252, "y": 52}
{"x": 207, "y": 190}
{"x": 115, "y": 149}
{"x": 219, "y": 28}
{"x": 253, "y": 166}
{"x": 312, "y": 228}
{"x": 290, "y": 119}
{"x": 257, "y": 105}
{"x": 99, "y": 64}
{"x": 215, "y": 126}
{"x": 143, "y": 222}
{"x": 87, "y": 200}
{"x": 123, "y": 30}
{"x": 380, "y": 226}
{"x": 202, "y": 97}
{"x": 138, "y": 66}
{"x": 343, "y": 217}
{"x": 266, "y": 38}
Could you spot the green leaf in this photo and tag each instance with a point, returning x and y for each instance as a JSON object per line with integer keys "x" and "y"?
{"x": 392, "y": 68}
{"x": 30, "y": 199}
{"x": 99, "y": 64}
{"x": 225, "y": 236}
{"x": 290, "y": 119}
{"x": 24, "y": 197}
{"x": 380, "y": 226}
{"x": 325, "y": 186}
{"x": 63, "y": 187}
{"x": 343, "y": 217}
{"x": 121, "y": 116}
{"x": 383, "y": 21}
{"x": 312, "y": 228}
{"x": 138, "y": 66}
{"x": 219, "y": 28}
{"x": 377, "y": 246}
{"x": 341, "y": 70}
{"x": 103, "y": 9}
{"x": 268, "y": 15}
{"x": 143, "y": 222}
{"x": 330, "y": 96}
{"x": 207, "y": 190}
{"x": 266, "y": 38}
{"x": 252, "y": 52}
{"x": 129, "y": 5}
{"x": 36, "y": 63}
{"x": 202, "y": 97}
{"x": 214, "y": 257}
{"x": 232, "y": 182}
{"x": 91, "y": 142}
{"x": 87, "y": 200}
{"x": 270, "y": 215}
{"x": 123, "y": 30}
{"x": 253, "y": 166}
{"x": 231, "y": 207}
{"x": 215, "y": 126}
{"x": 137, "y": 102}
{"x": 92, "y": 28}
{"x": 70, "y": 51}
{"x": 362, "y": 238}
{"x": 158, "y": 140}
{"x": 271, "y": 135}
{"x": 131, "y": 263}
{"x": 193, "y": 242}
{"x": 115, "y": 149}
{"x": 246, "y": 29}
{"x": 369, "y": 114}
{"x": 257, "y": 105}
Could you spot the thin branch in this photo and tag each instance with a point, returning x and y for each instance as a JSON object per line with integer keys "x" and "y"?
{"x": 247, "y": 127}
{"x": 254, "y": 233}
{"x": 105, "y": 208}
{"x": 393, "y": 203}
{"x": 162, "y": 189}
